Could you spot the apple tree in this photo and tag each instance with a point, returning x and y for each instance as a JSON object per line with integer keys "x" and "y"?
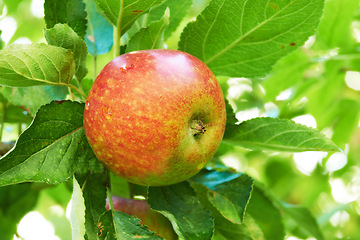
{"x": 251, "y": 188}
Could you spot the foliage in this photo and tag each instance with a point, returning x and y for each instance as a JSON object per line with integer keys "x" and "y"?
{"x": 252, "y": 188}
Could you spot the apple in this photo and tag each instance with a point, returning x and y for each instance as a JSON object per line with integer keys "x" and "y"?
{"x": 155, "y": 117}
{"x": 150, "y": 218}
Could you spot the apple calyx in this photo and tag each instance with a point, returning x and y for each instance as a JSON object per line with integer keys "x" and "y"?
{"x": 198, "y": 127}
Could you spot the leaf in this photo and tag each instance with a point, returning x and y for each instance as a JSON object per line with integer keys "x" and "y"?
{"x": 229, "y": 230}
{"x": 71, "y": 12}
{"x": 99, "y": 36}
{"x": 32, "y": 98}
{"x": 347, "y": 121}
{"x": 335, "y": 26}
{"x": 266, "y": 215}
{"x": 228, "y": 192}
{"x": 181, "y": 206}
{"x": 62, "y": 35}
{"x": 257, "y": 34}
{"x": 24, "y": 65}
{"x": 230, "y": 115}
{"x": 279, "y": 135}
{"x": 12, "y": 5}
{"x": 15, "y": 202}
{"x": 120, "y": 187}
{"x": 324, "y": 94}
{"x": 178, "y": 10}
{"x": 121, "y": 226}
{"x": 48, "y": 150}
{"x": 151, "y": 37}
{"x": 14, "y": 114}
{"x": 286, "y": 73}
{"x": 122, "y": 14}
{"x": 303, "y": 219}
{"x": 92, "y": 178}
{"x": 77, "y": 212}
{"x": 88, "y": 163}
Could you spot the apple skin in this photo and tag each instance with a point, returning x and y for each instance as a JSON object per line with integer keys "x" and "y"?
{"x": 141, "y": 209}
{"x": 155, "y": 117}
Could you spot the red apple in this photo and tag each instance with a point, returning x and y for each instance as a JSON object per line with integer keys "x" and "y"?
{"x": 155, "y": 117}
{"x": 141, "y": 209}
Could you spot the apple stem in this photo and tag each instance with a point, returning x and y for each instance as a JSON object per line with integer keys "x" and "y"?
{"x": 198, "y": 127}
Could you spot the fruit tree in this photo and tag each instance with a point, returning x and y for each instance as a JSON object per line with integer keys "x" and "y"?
{"x": 167, "y": 119}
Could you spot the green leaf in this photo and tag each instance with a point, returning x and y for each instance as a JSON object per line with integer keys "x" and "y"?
{"x": 346, "y": 122}
{"x": 14, "y": 114}
{"x": 227, "y": 230}
{"x": 49, "y": 149}
{"x": 181, "y": 206}
{"x": 121, "y": 226}
{"x": 151, "y": 37}
{"x": 303, "y": 219}
{"x": 24, "y": 65}
{"x": 324, "y": 93}
{"x": 257, "y": 34}
{"x": 71, "y": 12}
{"x": 120, "y": 187}
{"x": 32, "y": 98}
{"x": 62, "y": 35}
{"x": 77, "y": 212}
{"x": 286, "y": 73}
{"x": 266, "y": 215}
{"x": 230, "y": 115}
{"x": 99, "y": 36}
{"x": 178, "y": 10}
{"x": 88, "y": 163}
{"x": 279, "y": 135}
{"x": 59, "y": 193}
{"x": 12, "y": 5}
{"x": 94, "y": 195}
{"x": 15, "y": 202}
{"x": 335, "y": 27}
{"x": 92, "y": 178}
{"x": 122, "y": 14}
{"x": 228, "y": 192}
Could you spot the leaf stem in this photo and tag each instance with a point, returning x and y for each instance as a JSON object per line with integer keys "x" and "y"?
{"x": 72, "y": 94}
{"x": 117, "y": 31}
{"x": 79, "y": 90}
{"x": 80, "y": 86}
